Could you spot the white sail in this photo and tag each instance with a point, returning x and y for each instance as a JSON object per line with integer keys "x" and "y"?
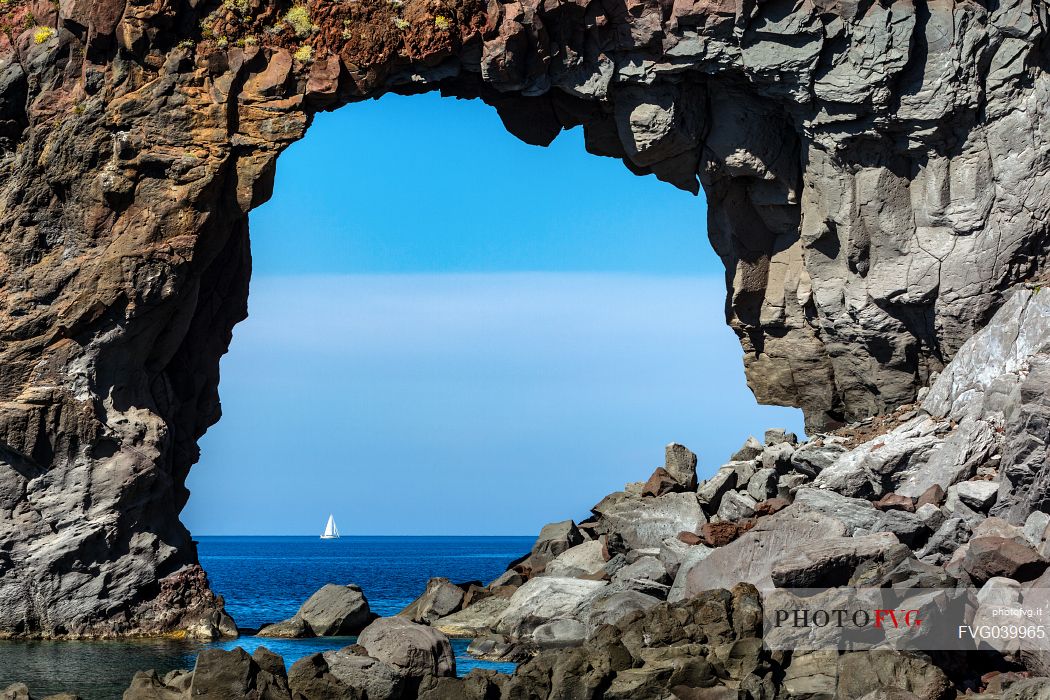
{"x": 331, "y": 532}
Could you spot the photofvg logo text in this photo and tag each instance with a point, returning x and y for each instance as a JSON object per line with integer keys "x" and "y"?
{"x": 926, "y": 619}
{"x": 841, "y": 618}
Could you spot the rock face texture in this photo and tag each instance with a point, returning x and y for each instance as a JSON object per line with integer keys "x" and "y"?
{"x": 877, "y": 176}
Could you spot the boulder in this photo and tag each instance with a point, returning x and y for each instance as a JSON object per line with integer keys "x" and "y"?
{"x": 830, "y": 561}
{"x": 584, "y": 559}
{"x": 680, "y": 463}
{"x": 673, "y": 551}
{"x": 1037, "y": 532}
{"x": 895, "y": 501}
{"x": 720, "y": 534}
{"x": 369, "y": 677}
{"x": 736, "y": 506}
{"x": 932, "y": 496}
{"x": 610, "y": 606}
{"x": 979, "y": 495}
{"x": 647, "y": 575}
{"x": 908, "y": 527}
{"x": 440, "y": 599}
{"x": 953, "y": 458}
{"x": 333, "y": 611}
{"x": 415, "y": 650}
{"x": 777, "y": 436}
{"x": 950, "y": 536}
{"x": 861, "y": 672}
{"x": 763, "y": 484}
{"x": 558, "y": 634}
{"x": 771, "y": 506}
{"x": 480, "y": 617}
{"x": 777, "y": 458}
{"x": 750, "y": 558}
{"x": 813, "y": 457}
{"x": 659, "y": 483}
{"x": 711, "y": 491}
{"x": 854, "y": 513}
{"x": 234, "y": 674}
{"x": 789, "y": 484}
{"x": 751, "y": 449}
{"x": 541, "y": 600}
{"x": 988, "y": 557}
{"x": 812, "y": 674}
{"x": 645, "y": 522}
{"x": 497, "y": 647}
{"x": 554, "y": 538}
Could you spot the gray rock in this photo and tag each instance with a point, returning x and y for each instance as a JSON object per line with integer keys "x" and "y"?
{"x": 672, "y": 552}
{"x": 476, "y": 619}
{"x": 778, "y": 457}
{"x": 951, "y": 461}
{"x": 544, "y": 599}
{"x": 750, "y": 557}
{"x": 951, "y": 535}
{"x": 1036, "y": 532}
{"x": 610, "y": 606}
{"x": 777, "y": 436}
{"x": 415, "y": 650}
{"x": 744, "y": 470}
{"x": 647, "y": 575}
{"x": 441, "y": 598}
{"x": 813, "y": 457}
{"x": 789, "y": 484}
{"x": 559, "y": 633}
{"x": 554, "y": 538}
{"x": 736, "y": 506}
{"x": 644, "y": 523}
{"x": 854, "y": 513}
{"x": 830, "y": 561}
{"x": 711, "y": 491}
{"x": 979, "y": 495}
{"x": 752, "y": 449}
{"x": 909, "y": 528}
{"x": 332, "y": 611}
{"x": 680, "y": 463}
{"x": 763, "y": 484}
{"x": 369, "y": 677}
{"x": 582, "y": 560}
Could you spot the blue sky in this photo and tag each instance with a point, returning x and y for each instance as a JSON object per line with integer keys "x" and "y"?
{"x": 452, "y": 332}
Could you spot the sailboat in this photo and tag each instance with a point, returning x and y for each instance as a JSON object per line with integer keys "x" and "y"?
{"x": 331, "y": 532}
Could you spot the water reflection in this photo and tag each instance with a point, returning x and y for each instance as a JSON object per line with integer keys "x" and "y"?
{"x": 103, "y": 670}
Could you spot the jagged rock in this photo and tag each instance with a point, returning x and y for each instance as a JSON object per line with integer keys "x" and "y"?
{"x": 736, "y": 506}
{"x": 711, "y": 491}
{"x": 895, "y": 501}
{"x": 777, "y": 436}
{"x": 789, "y": 484}
{"x": 659, "y": 483}
{"x": 909, "y": 528}
{"x": 441, "y": 598}
{"x": 979, "y": 495}
{"x": 680, "y": 463}
{"x": 778, "y": 457}
{"x": 854, "y": 513}
{"x": 496, "y": 647}
{"x": 752, "y": 449}
{"x": 813, "y": 457}
{"x": 1037, "y": 532}
{"x": 582, "y": 560}
{"x": 956, "y": 458}
{"x": 932, "y": 496}
{"x": 952, "y": 534}
{"x": 988, "y": 557}
{"x": 557, "y": 634}
{"x": 861, "y": 672}
{"x": 332, "y": 611}
{"x": 646, "y": 522}
{"x": 763, "y": 484}
{"x": 554, "y": 538}
{"x": 720, "y": 534}
{"x": 771, "y": 506}
{"x": 415, "y": 650}
{"x": 541, "y": 600}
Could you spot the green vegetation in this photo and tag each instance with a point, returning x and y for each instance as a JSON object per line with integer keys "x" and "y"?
{"x": 43, "y": 34}
{"x": 298, "y": 18}
{"x": 442, "y": 22}
{"x": 305, "y": 54}
{"x": 401, "y": 23}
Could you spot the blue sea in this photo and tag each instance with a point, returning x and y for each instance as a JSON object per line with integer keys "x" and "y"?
{"x": 266, "y": 579}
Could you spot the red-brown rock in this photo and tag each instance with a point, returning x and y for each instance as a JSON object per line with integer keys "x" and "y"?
{"x": 895, "y": 501}
{"x": 933, "y": 495}
{"x": 690, "y": 538}
{"x": 987, "y": 557}
{"x": 659, "y": 483}
{"x": 770, "y": 506}
{"x": 719, "y": 534}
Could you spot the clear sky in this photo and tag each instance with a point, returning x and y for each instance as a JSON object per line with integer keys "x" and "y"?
{"x": 452, "y": 332}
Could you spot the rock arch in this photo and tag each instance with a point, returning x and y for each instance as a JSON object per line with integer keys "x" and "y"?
{"x": 876, "y": 173}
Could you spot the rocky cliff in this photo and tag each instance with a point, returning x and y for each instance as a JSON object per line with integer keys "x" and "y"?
{"x": 877, "y": 177}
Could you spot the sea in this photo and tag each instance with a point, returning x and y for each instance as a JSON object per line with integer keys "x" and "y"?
{"x": 266, "y": 579}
